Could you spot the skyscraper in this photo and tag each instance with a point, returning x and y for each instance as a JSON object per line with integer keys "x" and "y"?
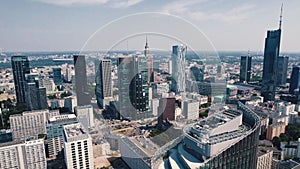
{"x": 271, "y": 53}
{"x": 36, "y": 98}
{"x": 103, "y": 81}
{"x": 178, "y": 68}
{"x": 295, "y": 79}
{"x": 245, "y": 68}
{"x": 20, "y": 67}
{"x": 83, "y": 97}
{"x": 282, "y": 70}
{"x": 150, "y": 62}
{"x": 133, "y": 88}
{"x": 57, "y": 77}
{"x": 196, "y": 74}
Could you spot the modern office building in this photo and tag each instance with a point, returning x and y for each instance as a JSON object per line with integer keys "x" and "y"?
{"x": 245, "y": 68}
{"x": 190, "y": 109}
{"x": 166, "y": 109}
{"x": 226, "y": 139}
{"x": 83, "y": 97}
{"x": 133, "y": 87}
{"x": 103, "y": 82}
{"x": 85, "y": 115}
{"x": 57, "y": 77}
{"x": 270, "y": 65}
{"x": 28, "y": 124}
{"x": 178, "y": 68}
{"x": 295, "y": 79}
{"x": 54, "y": 130}
{"x": 36, "y": 98}
{"x": 196, "y": 74}
{"x": 23, "y": 155}
{"x": 282, "y": 70}
{"x": 20, "y": 67}
{"x": 78, "y": 150}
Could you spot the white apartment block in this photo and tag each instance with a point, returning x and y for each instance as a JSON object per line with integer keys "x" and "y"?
{"x": 28, "y": 124}
{"x": 78, "y": 150}
{"x": 23, "y": 155}
{"x": 190, "y": 109}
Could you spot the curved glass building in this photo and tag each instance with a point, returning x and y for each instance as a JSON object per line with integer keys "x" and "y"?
{"x": 225, "y": 140}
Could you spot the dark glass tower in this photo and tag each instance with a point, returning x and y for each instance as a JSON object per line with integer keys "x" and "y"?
{"x": 83, "y": 97}
{"x": 36, "y": 98}
{"x": 282, "y": 70}
{"x": 295, "y": 79}
{"x": 196, "y": 74}
{"x": 57, "y": 77}
{"x": 133, "y": 88}
{"x": 103, "y": 81}
{"x": 20, "y": 67}
{"x": 245, "y": 68}
{"x": 270, "y": 71}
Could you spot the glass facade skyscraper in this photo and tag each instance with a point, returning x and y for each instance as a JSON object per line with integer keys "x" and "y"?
{"x": 178, "y": 68}
{"x": 295, "y": 79}
{"x": 57, "y": 77}
{"x": 133, "y": 87}
{"x": 103, "y": 81}
{"x": 83, "y": 97}
{"x": 20, "y": 67}
{"x": 282, "y": 70}
{"x": 245, "y": 68}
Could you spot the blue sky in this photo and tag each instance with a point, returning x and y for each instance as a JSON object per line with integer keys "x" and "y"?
{"x": 62, "y": 25}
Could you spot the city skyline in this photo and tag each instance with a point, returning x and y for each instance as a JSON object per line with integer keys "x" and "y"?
{"x": 55, "y": 32}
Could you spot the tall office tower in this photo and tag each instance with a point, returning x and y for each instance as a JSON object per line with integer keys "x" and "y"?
{"x": 57, "y": 77}
{"x": 20, "y": 67}
{"x": 295, "y": 79}
{"x": 103, "y": 82}
{"x": 23, "y": 155}
{"x": 85, "y": 115}
{"x": 28, "y": 124}
{"x": 245, "y": 68}
{"x": 36, "y": 98}
{"x": 83, "y": 97}
{"x": 196, "y": 74}
{"x": 226, "y": 139}
{"x": 282, "y": 70}
{"x": 220, "y": 70}
{"x": 271, "y": 53}
{"x": 178, "y": 68}
{"x": 133, "y": 88}
{"x": 78, "y": 150}
{"x": 150, "y": 62}
{"x": 54, "y": 133}
{"x": 166, "y": 110}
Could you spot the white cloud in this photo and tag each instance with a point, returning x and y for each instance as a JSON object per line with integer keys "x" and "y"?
{"x": 74, "y": 2}
{"x": 185, "y": 8}
{"x": 114, "y": 4}
{"x": 126, "y": 4}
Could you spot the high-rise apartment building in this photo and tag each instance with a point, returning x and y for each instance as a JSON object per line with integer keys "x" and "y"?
{"x": 178, "y": 68}
{"x": 282, "y": 70}
{"x": 83, "y": 97}
{"x": 23, "y": 155}
{"x": 28, "y": 124}
{"x": 20, "y": 67}
{"x": 295, "y": 79}
{"x": 78, "y": 150}
{"x": 270, "y": 65}
{"x": 54, "y": 133}
{"x": 245, "y": 68}
{"x": 133, "y": 87}
{"x": 103, "y": 81}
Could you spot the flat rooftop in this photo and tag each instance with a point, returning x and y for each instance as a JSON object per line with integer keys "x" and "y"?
{"x": 74, "y": 132}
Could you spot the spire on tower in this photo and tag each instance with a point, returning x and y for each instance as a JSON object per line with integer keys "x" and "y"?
{"x": 146, "y": 46}
{"x": 280, "y": 21}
